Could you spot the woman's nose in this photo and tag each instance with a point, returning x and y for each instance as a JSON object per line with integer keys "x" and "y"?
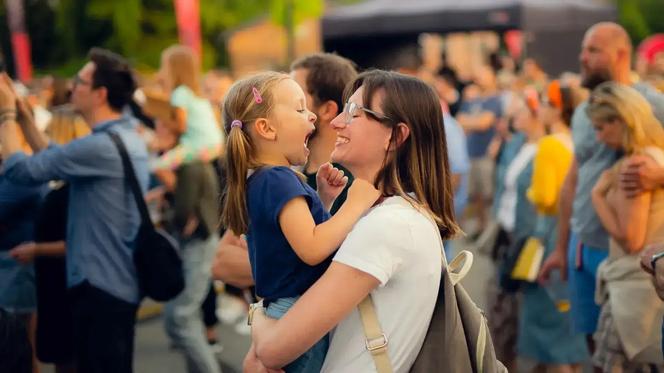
{"x": 338, "y": 121}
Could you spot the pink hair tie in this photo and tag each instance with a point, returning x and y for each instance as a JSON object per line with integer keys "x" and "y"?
{"x": 257, "y": 95}
{"x": 236, "y": 123}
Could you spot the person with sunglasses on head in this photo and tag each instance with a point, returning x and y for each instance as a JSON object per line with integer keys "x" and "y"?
{"x": 583, "y": 242}
{"x": 389, "y": 133}
{"x": 103, "y": 218}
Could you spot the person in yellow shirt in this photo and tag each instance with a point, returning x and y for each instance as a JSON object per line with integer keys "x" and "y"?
{"x": 555, "y": 151}
{"x": 545, "y": 336}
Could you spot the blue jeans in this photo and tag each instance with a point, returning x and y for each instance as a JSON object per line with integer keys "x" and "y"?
{"x": 310, "y": 361}
{"x": 182, "y": 315}
{"x": 582, "y": 269}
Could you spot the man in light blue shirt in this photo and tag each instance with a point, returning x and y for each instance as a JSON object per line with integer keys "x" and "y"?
{"x": 457, "y": 153}
{"x": 103, "y": 218}
{"x": 605, "y": 56}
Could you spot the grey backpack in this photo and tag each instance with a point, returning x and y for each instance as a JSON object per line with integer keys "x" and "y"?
{"x": 458, "y": 338}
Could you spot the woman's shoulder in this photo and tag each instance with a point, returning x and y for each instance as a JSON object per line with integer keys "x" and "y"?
{"x": 657, "y": 154}
{"x": 392, "y": 220}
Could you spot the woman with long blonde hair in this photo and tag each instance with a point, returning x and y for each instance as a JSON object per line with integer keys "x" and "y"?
{"x": 628, "y": 335}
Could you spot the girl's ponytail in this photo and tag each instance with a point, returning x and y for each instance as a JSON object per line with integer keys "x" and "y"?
{"x": 248, "y": 100}
{"x": 234, "y": 213}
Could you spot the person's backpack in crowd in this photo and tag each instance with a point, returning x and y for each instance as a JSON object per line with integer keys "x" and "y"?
{"x": 458, "y": 338}
{"x": 158, "y": 263}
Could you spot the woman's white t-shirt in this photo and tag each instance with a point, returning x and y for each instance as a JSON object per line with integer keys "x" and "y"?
{"x": 399, "y": 246}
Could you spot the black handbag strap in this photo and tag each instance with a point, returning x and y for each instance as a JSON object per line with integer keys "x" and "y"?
{"x": 130, "y": 175}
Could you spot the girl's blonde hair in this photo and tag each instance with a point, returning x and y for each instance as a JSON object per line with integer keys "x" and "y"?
{"x": 183, "y": 67}
{"x": 247, "y": 100}
{"x": 611, "y": 101}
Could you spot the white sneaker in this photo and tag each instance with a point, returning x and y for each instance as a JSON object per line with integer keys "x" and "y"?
{"x": 231, "y": 310}
{"x": 242, "y": 328}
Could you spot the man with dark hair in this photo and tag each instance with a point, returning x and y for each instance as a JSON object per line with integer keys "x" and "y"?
{"x": 583, "y": 242}
{"x": 323, "y": 78}
{"x": 103, "y": 216}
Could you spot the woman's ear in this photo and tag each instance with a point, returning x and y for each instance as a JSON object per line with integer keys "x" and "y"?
{"x": 264, "y": 129}
{"x": 402, "y": 132}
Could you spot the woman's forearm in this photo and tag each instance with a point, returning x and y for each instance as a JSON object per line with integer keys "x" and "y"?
{"x": 321, "y": 308}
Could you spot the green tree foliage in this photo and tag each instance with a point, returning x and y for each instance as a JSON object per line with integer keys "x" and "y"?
{"x": 641, "y": 18}
{"x": 62, "y": 31}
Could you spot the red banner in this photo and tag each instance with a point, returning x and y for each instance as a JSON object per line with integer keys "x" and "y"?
{"x": 21, "y": 47}
{"x": 187, "y": 15}
{"x": 20, "y": 40}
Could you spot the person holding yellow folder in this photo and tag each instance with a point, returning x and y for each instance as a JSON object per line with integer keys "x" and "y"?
{"x": 545, "y": 335}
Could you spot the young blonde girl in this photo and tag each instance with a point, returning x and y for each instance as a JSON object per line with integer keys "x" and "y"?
{"x": 290, "y": 233}
{"x": 193, "y": 116}
{"x": 628, "y": 333}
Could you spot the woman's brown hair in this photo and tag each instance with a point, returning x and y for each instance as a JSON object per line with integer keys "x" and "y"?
{"x": 419, "y": 165}
{"x": 241, "y": 105}
{"x": 183, "y": 67}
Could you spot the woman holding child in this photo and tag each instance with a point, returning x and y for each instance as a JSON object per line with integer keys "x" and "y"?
{"x": 391, "y": 140}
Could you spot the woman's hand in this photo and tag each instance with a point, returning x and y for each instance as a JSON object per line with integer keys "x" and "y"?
{"x": 330, "y": 182}
{"x": 251, "y": 364}
{"x": 260, "y": 324}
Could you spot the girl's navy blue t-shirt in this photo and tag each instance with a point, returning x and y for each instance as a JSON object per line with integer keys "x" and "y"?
{"x": 278, "y": 272}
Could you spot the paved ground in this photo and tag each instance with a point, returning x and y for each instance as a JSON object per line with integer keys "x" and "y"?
{"x": 153, "y": 354}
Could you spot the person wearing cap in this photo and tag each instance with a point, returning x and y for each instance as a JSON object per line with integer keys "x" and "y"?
{"x": 545, "y": 335}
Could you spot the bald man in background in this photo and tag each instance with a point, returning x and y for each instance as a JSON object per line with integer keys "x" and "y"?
{"x": 582, "y": 240}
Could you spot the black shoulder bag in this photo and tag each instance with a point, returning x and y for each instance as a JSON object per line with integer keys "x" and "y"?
{"x": 158, "y": 263}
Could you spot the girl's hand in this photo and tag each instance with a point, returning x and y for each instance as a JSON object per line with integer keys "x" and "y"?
{"x": 330, "y": 182}
{"x": 362, "y": 194}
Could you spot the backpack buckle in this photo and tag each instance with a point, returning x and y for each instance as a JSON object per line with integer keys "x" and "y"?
{"x": 376, "y": 344}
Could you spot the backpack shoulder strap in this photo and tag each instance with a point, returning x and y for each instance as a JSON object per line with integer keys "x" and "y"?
{"x": 130, "y": 176}
{"x": 376, "y": 341}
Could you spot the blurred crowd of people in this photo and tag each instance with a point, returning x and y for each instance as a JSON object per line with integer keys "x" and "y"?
{"x": 561, "y": 174}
